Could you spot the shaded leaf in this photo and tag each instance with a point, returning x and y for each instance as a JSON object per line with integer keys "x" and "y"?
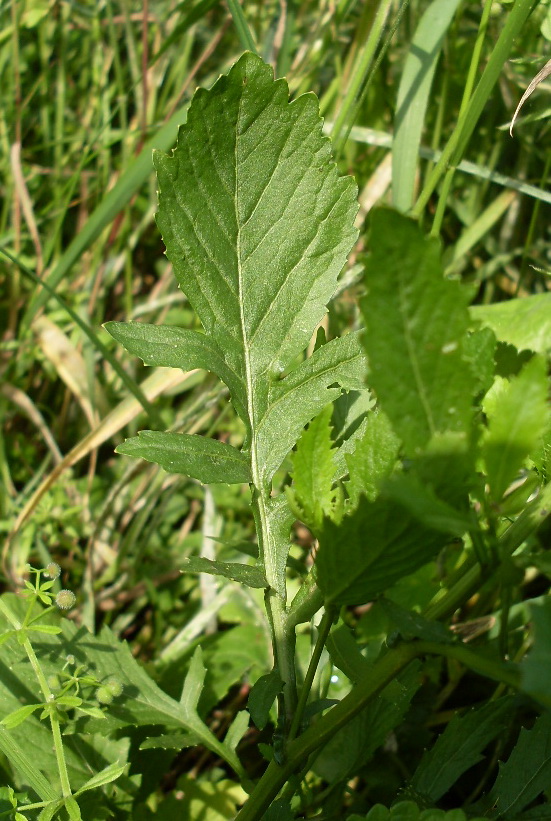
{"x": 170, "y": 741}
{"x": 207, "y": 460}
{"x": 411, "y": 625}
{"x": 262, "y": 696}
{"x": 460, "y": 747}
{"x": 242, "y": 573}
{"x": 374, "y": 458}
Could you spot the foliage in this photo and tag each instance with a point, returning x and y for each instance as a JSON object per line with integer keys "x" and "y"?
{"x": 297, "y": 603}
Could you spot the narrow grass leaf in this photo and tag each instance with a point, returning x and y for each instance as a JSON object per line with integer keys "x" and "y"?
{"x": 460, "y": 747}
{"x": 518, "y": 416}
{"x": 242, "y": 573}
{"x": 413, "y": 96}
{"x": 416, "y": 322}
{"x": 204, "y": 459}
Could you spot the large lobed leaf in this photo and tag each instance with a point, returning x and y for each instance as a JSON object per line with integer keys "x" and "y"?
{"x": 257, "y": 224}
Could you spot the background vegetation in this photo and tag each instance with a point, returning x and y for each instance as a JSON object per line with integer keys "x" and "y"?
{"x": 88, "y": 89}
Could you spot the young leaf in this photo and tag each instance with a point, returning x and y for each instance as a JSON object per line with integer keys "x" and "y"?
{"x": 257, "y": 225}
{"x": 460, "y": 747}
{"x": 373, "y": 459}
{"x": 416, "y": 322}
{"x": 106, "y": 776}
{"x": 243, "y": 573}
{"x": 312, "y": 495}
{"x": 518, "y": 417}
{"x": 207, "y": 460}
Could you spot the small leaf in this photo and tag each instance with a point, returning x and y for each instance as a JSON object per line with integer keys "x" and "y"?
{"x": 50, "y": 629}
{"x": 242, "y": 573}
{"x": 413, "y": 626}
{"x": 262, "y": 696}
{"x": 105, "y": 776}
{"x": 312, "y": 495}
{"x": 237, "y": 729}
{"x": 518, "y": 416}
{"x": 193, "y": 683}
{"x": 204, "y": 459}
{"x": 170, "y": 741}
{"x": 460, "y": 747}
{"x": 18, "y": 716}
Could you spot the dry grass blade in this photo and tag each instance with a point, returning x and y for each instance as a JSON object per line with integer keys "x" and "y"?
{"x": 539, "y": 78}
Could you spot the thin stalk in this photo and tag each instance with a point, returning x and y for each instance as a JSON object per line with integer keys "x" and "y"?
{"x": 383, "y": 672}
{"x": 48, "y": 698}
{"x": 241, "y": 26}
{"x": 323, "y": 632}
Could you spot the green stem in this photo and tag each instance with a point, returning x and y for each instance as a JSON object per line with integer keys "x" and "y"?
{"x": 323, "y": 632}
{"x": 384, "y": 671}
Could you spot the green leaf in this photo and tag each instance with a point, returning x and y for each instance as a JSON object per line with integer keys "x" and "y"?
{"x": 312, "y": 495}
{"x": 416, "y": 323}
{"x": 371, "y": 549}
{"x": 105, "y": 776}
{"x": 527, "y": 772}
{"x": 353, "y": 745}
{"x": 242, "y": 573}
{"x": 460, "y": 747}
{"x": 170, "y": 347}
{"x": 518, "y": 415}
{"x": 373, "y": 459}
{"x": 257, "y": 225}
{"x": 524, "y": 323}
{"x": 346, "y": 655}
{"x": 170, "y": 741}
{"x": 237, "y": 729}
{"x": 18, "y": 716}
{"x": 207, "y": 460}
{"x": 262, "y": 696}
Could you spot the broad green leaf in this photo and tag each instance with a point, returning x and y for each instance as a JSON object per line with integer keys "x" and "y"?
{"x": 413, "y": 96}
{"x": 257, "y": 225}
{"x": 169, "y": 347}
{"x": 243, "y": 573}
{"x": 524, "y": 323}
{"x": 353, "y": 745}
{"x": 527, "y": 772}
{"x": 207, "y": 460}
{"x": 518, "y": 415}
{"x": 262, "y": 696}
{"x": 416, "y": 322}
{"x": 371, "y": 549}
{"x": 350, "y": 418}
{"x": 460, "y": 747}
{"x": 312, "y": 495}
{"x": 209, "y": 801}
{"x": 374, "y": 458}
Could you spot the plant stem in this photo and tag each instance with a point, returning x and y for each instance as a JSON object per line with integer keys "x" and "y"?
{"x": 323, "y": 632}
{"x": 384, "y": 671}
